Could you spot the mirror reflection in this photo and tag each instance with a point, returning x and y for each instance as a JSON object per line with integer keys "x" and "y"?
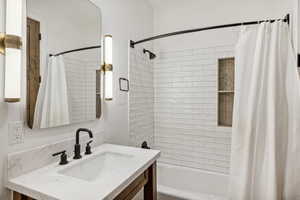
{"x": 63, "y": 62}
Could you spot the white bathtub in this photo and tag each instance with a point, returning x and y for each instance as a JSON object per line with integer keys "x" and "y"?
{"x": 175, "y": 182}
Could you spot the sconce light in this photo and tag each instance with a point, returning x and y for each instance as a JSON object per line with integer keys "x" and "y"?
{"x": 10, "y": 45}
{"x": 107, "y": 68}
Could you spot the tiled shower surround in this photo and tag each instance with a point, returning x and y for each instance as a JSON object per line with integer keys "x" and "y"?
{"x": 141, "y": 98}
{"x": 81, "y": 82}
{"x": 185, "y": 106}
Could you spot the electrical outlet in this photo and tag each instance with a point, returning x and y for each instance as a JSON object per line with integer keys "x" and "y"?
{"x": 16, "y": 132}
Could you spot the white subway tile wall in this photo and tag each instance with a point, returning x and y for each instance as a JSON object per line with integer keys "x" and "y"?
{"x": 185, "y": 109}
{"x": 141, "y": 98}
{"x": 173, "y": 106}
{"x": 81, "y": 83}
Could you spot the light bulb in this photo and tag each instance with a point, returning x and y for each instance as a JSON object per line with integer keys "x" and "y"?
{"x": 108, "y": 85}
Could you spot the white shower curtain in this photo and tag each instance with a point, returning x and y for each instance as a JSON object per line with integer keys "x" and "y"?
{"x": 52, "y": 103}
{"x": 265, "y": 159}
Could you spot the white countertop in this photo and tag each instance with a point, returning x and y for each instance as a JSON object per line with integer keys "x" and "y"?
{"x": 48, "y": 184}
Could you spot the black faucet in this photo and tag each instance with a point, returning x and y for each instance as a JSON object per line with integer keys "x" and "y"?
{"x": 77, "y": 145}
{"x": 63, "y": 157}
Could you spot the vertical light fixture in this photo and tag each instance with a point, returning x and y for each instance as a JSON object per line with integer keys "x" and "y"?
{"x": 107, "y": 67}
{"x": 10, "y": 45}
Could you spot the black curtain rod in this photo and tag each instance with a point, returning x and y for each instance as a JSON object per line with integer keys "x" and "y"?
{"x": 74, "y": 50}
{"x": 132, "y": 43}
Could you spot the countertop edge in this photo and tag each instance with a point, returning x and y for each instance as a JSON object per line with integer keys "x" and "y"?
{"x": 12, "y": 186}
{"x": 133, "y": 177}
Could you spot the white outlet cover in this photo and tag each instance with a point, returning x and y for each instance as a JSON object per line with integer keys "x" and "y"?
{"x": 16, "y": 132}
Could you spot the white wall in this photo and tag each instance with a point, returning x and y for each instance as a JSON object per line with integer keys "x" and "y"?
{"x": 174, "y": 15}
{"x": 297, "y": 13}
{"x": 296, "y": 6}
{"x": 125, "y": 20}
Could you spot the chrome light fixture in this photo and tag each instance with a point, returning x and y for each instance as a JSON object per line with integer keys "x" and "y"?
{"x": 10, "y": 46}
{"x": 107, "y": 68}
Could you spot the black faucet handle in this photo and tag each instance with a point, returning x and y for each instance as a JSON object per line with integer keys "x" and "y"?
{"x": 63, "y": 157}
{"x": 145, "y": 145}
{"x": 59, "y": 153}
{"x": 88, "y": 148}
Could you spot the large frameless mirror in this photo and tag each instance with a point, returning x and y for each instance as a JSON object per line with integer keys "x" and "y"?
{"x": 63, "y": 62}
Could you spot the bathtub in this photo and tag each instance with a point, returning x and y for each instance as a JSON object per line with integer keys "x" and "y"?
{"x": 176, "y": 183}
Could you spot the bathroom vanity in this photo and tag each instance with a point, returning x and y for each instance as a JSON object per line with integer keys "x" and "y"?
{"x": 111, "y": 172}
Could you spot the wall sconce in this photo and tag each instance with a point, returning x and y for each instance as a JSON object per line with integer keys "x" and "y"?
{"x": 10, "y": 45}
{"x": 107, "y": 68}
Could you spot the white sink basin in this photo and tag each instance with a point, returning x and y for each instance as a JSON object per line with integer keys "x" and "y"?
{"x": 99, "y": 166}
{"x": 99, "y": 176}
